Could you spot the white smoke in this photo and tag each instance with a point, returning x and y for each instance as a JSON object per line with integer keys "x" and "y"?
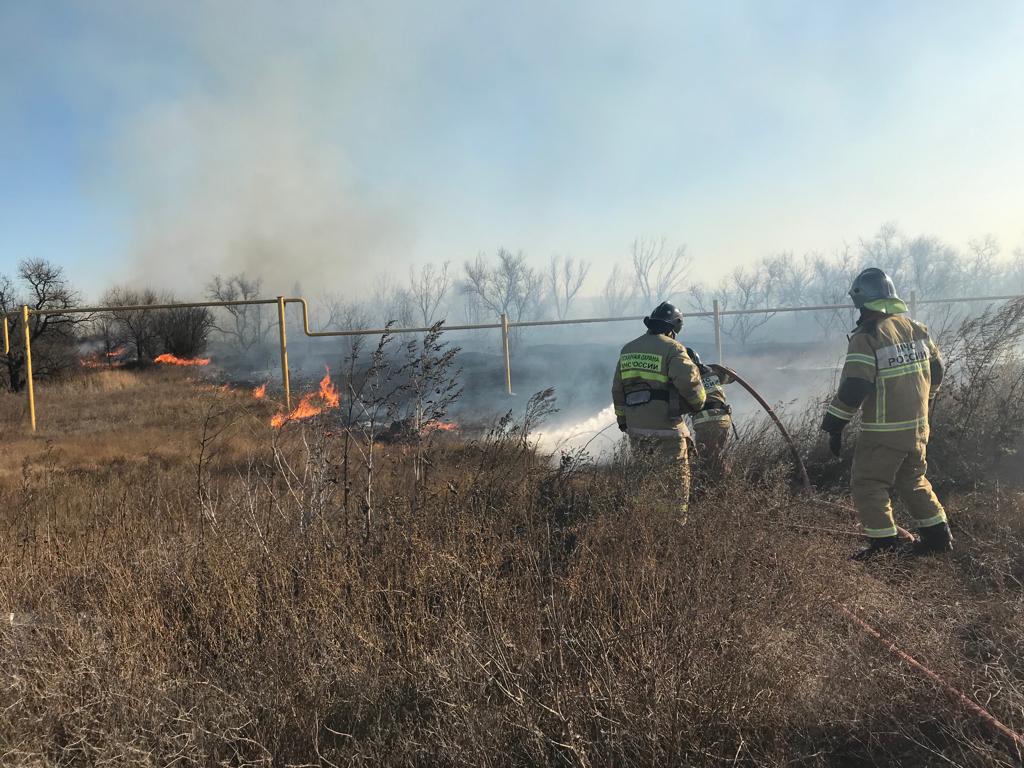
{"x": 597, "y": 435}
{"x": 249, "y": 185}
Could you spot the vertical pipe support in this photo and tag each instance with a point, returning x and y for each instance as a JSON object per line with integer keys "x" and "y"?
{"x": 285, "y": 377}
{"x": 718, "y": 333}
{"x": 913, "y": 304}
{"x": 29, "y": 384}
{"x": 505, "y": 353}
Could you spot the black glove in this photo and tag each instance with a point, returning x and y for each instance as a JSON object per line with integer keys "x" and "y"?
{"x": 835, "y": 443}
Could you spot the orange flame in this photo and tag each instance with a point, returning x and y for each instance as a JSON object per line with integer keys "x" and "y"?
{"x": 311, "y": 404}
{"x": 328, "y": 392}
{"x": 168, "y": 359}
{"x": 260, "y": 392}
{"x": 441, "y": 426}
{"x": 109, "y": 359}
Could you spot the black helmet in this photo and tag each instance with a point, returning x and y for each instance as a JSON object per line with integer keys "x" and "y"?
{"x": 873, "y": 289}
{"x": 693, "y": 356}
{"x": 665, "y": 317}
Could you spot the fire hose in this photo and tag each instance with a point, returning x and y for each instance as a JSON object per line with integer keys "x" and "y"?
{"x": 955, "y": 693}
{"x": 778, "y": 423}
{"x": 797, "y": 458}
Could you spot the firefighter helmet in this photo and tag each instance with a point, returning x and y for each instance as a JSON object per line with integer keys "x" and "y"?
{"x": 665, "y": 318}
{"x": 873, "y": 289}
{"x": 693, "y": 356}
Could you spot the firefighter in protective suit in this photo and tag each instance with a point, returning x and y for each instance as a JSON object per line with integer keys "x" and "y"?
{"x": 655, "y": 384}
{"x": 712, "y": 424}
{"x": 892, "y": 371}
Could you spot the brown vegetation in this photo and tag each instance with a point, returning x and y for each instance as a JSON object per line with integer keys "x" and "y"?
{"x": 182, "y": 584}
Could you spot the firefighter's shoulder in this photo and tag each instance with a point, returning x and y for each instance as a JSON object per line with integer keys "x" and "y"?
{"x": 629, "y": 346}
{"x": 918, "y": 326}
{"x": 865, "y": 328}
{"x": 674, "y": 345}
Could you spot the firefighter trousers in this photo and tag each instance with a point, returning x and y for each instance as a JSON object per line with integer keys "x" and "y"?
{"x": 878, "y": 470}
{"x": 712, "y": 438}
{"x": 663, "y": 463}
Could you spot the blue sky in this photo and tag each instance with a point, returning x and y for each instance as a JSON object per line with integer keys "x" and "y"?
{"x": 324, "y": 142}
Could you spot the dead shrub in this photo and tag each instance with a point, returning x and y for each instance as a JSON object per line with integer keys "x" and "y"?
{"x": 199, "y": 609}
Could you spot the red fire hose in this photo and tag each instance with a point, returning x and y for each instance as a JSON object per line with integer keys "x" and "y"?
{"x": 955, "y": 693}
{"x": 797, "y": 459}
{"x": 778, "y": 422}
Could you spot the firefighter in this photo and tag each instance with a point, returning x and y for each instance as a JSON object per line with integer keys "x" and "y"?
{"x": 712, "y": 424}
{"x": 892, "y": 371}
{"x": 655, "y": 384}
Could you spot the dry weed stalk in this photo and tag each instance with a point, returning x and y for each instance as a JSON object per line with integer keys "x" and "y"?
{"x": 521, "y": 612}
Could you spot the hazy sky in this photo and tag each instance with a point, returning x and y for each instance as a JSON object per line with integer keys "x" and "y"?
{"x": 320, "y": 142}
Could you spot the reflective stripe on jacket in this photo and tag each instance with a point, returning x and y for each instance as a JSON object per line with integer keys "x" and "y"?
{"x": 658, "y": 366}
{"x": 710, "y": 415}
{"x": 896, "y": 356}
{"x": 716, "y": 407}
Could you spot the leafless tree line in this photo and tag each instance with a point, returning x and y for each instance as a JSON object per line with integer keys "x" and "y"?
{"x": 923, "y": 265}
{"x": 508, "y": 283}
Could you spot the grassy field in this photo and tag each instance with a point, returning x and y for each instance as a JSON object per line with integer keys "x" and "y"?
{"x": 183, "y": 585}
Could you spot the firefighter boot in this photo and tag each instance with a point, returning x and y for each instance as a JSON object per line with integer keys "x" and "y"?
{"x": 935, "y": 539}
{"x": 885, "y": 545}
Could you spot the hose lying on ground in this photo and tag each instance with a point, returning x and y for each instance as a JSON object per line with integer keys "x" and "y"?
{"x": 955, "y": 693}
{"x": 797, "y": 458}
{"x": 778, "y": 423}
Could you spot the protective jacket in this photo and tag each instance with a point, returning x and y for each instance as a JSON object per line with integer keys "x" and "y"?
{"x": 655, "y": 384}
{"x": 892, "y": 370}
{"x": 716, "y": 407}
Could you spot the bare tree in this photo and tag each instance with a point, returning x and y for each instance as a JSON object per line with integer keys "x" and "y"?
{"x": 883, "y": 250}
{"x": 933, "y": 269}
{"x": 1015, "y": 270}
{"x": 340, "y": 314}
{"x": 509, "y": 287}
{"x": 344, "y": 315}
{"x": 428, "y": 289}
{"x": 745, "y": 289}
{"x": 788, "y": 279}
{"x": 392, "y": 303}
{"x": 830, "y": 285}
{"x": 565, "y": 277}
{"x": 751, "y": 290}
{"x": 108, "y": 332}
{"x": 982, "y": 266}
{"x": 248, "y": 324}
{"x": 658, "y": 271}
{"x": 184, "y": 331}
{"x": 618, "y": 296}
{"x": 139, "y": 328}
{"x": 468, "y": 306}
{"x": 39, "y": 285}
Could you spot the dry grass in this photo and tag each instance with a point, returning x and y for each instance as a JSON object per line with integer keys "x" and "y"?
{"x": 119, "y": 418}
{"x": 173, "y": 610}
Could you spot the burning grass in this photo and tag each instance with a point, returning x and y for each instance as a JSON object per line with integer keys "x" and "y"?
{"x": 221, "y": 592}
{"x": 185, "y": 362}
{"x": 311, "y": 404}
